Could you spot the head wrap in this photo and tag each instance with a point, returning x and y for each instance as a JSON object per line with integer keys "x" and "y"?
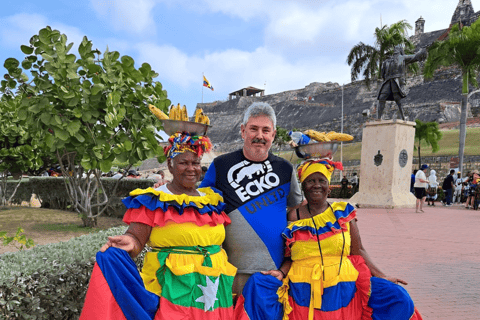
{"x": 324, "y": 166}
{"x": 182, "y": 142}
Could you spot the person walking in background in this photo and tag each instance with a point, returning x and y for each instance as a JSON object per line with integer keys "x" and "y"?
{"x": 420, "y": 186}
{"x": 412, "y": 181}
{"x": 354, "y": 183}
{"x": 432, "y": 188}
{"x": 457, "y": 195}
{"x": 344, "y": 189}
{"x": 448, "y": 187}
{"x": 472, "y": 181}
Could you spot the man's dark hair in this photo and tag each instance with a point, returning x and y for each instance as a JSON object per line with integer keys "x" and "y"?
{"x": 452, "y": 172}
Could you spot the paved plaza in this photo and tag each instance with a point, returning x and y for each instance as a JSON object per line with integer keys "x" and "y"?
{"x": 437, "y": 252}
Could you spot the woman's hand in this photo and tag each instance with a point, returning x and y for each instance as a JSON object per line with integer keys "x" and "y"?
{"x": 396, "y": 280}
{"x": 123, "y": 242}
{"x": 275, "y": 273}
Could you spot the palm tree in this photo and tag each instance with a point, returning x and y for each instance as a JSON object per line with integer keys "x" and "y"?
{"x": 281, "y": 138}
{"x": 367, "y": 60}
{"x": 461, "y": 48}
{"x": 428, "y": 132}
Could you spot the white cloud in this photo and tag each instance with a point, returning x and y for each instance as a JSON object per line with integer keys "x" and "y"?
{"x": 18, "y": 29}
{"x": 133, "y": 16}
{"x": 233, "y": 69}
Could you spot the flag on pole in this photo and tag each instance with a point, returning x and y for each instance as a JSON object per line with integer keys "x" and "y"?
{"x": 207, "y": 84}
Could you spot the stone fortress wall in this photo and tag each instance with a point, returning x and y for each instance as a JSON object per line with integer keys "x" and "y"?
{"x": 318, "y": 106}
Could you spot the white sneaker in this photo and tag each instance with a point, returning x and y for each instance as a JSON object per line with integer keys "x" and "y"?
{"x": 448, "y": 205}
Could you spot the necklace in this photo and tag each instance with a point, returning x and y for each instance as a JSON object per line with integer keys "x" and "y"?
{"x": 318, "y": 240}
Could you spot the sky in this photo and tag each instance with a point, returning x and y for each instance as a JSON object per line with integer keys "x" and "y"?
{"x": 269, "y": 44}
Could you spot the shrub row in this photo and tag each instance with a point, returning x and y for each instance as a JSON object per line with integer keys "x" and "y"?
{"x": 50, "y": 281}
{"x": 53, "y": 194}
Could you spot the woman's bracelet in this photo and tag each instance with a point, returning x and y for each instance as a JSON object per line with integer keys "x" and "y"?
{"x": 284, "y": 275}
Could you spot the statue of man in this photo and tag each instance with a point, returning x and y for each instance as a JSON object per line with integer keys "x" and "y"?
{"x": 393, "y": 74}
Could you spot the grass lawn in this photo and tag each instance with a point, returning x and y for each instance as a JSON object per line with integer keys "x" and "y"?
{"x": 47, "y": 225}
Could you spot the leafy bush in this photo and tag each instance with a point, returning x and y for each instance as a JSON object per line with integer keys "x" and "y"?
{"x": 50, "y": 281}
{"x": 335, "y": 191}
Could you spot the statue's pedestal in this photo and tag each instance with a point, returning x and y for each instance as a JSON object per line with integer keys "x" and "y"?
{"x": 386, "y": 165}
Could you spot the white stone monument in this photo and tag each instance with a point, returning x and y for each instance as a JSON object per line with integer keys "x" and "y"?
{"x": 386, "y": 165}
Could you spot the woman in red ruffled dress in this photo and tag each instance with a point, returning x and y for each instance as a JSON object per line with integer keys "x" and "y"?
{"x": 186, "y": 274}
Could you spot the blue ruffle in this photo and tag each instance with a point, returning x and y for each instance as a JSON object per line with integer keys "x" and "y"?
{"x": 152, "y": 202}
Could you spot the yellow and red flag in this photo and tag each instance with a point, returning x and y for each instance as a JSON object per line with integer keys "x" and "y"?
{"x": 207, "y": 84}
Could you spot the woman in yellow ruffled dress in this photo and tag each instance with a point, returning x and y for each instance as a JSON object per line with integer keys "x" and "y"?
{"x": 186, "y": 274}
{"x": 331, "y": 275}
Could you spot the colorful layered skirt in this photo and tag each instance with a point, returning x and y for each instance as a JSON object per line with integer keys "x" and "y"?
{"x": 333, "y": 285}
{"x": 186, "y": 275}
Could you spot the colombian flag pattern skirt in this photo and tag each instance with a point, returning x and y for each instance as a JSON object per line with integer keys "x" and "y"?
{"x": 185, "y": 276}
{"x": 334, "y": 286}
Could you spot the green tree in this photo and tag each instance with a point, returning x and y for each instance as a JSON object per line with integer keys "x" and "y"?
{"x": 89, "y": 111}
{"x": 282, "y": 137}
{"x": 461, "y": 49}
{"x": 366, "y": 60}
{"x": 428, "y": 132}
{"x": 18, "y": 151}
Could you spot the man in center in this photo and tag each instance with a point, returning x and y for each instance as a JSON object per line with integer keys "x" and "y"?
{"x": 257, "y": 188}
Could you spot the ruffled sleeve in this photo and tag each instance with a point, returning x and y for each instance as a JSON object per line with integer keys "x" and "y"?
{"x": 324, "y": 225}
{"x": 155, "y": 208}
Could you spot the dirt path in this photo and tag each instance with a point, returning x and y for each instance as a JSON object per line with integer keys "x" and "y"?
{"x": 45, "y": 226}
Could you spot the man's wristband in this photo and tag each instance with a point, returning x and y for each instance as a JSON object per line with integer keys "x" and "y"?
{"x": 284, "y": 275}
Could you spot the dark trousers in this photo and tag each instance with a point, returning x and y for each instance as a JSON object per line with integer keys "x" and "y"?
{"x": 354, "y": 188}
{"x": 448, "y": 196}
{"x": 343, "y": 192}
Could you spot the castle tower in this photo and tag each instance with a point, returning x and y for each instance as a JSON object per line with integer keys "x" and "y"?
{"x": 463, "y": 13}
{"x": 419, "y": 26}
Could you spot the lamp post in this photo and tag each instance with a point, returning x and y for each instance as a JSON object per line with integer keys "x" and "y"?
{"x": 341, "y": 130}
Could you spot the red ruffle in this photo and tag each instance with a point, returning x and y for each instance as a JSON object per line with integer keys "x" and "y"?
{"x": 306, "y": 235}
{"x": 159, "y": 218}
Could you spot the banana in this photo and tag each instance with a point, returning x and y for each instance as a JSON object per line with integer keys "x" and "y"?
{"x": 332, "y": 135}
{"x": 198, "y": 112}
{"x": 171, "y": 114}
{"x": 200, "y": 117}
{"x": 157, "y": 112}
{"x": 206, "y": 120}
{"x": 178, "y": 112}
{"x": 317, "y": 136}
{"x": 184, "y": 113}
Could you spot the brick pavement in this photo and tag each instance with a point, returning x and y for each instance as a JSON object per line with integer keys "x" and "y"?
{"x": 436, "y": 252}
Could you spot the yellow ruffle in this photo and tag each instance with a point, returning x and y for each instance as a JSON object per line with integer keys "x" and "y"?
{"x": 210, "y": 197}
